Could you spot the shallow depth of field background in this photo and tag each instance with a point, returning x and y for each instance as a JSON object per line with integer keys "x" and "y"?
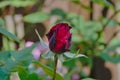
{"x": 87, "y": 18}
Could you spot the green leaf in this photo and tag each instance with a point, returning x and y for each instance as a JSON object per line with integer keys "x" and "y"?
{"x": 88, "y": 79}
{"x": 76, "y": 38}
{"x": 22, "y": 72}
{"x": 24, "y": 56}
{"x": 36, "y": 17}
{"x": 8, "y": 34}
{"x": 17, "y": 3}
{"x": 49, "y": 71}
{"x": 71, "y": 55}
{"x": 112, "y": 23}
{"x": 81, "y": 27}
{"x": 4, "y": 58}
{"x": 3, "y": 74}
{"x": 115, "y": 58}
{"x": 11, "y": 59}
{"x": 4, "y": 3}
{"x": 71, "y": 58}
{"x": 20, "y": 3}
{"x": 48, "y": 55}
{"x": 107, "y": 57}
{"x": 114, "y": 41}
{"x": 33, "y": 76}
{"x": 42, "y": 43}
{"x": 70, "y": 63}
{"x": 58, "y": 12}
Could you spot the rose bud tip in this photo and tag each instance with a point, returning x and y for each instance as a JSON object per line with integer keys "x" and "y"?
{"x": 59, "y": 38}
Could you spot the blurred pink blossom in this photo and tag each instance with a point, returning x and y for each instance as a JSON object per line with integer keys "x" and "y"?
{"x": 37, "y": 50}
{"x": 75, "y": 77}
{"x": 28, "y": 43}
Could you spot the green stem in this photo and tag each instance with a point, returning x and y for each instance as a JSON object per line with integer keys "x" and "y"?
{"x": 55, "y": 68}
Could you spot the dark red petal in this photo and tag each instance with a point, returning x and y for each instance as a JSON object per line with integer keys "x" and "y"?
{"x": 52, "y": 41}
{"x": 59, "y": 37}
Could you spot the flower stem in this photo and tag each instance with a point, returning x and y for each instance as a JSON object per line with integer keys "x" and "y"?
{"x": 55, "y": 61}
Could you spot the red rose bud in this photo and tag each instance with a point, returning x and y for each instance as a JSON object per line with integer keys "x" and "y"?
{"x": 59, "y": 38}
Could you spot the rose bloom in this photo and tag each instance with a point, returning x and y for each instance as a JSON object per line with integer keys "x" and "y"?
{"x": 59, "y": 38}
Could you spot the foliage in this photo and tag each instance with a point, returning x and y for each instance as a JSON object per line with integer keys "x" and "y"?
{"x": 86, "y": 33}
{"x": 49, "y": 71}
{"x": 16, "y": 3}
{"x": 6, "y": 33}
{"x": 36, "y": 17}
{"x": 10, "y": 60}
